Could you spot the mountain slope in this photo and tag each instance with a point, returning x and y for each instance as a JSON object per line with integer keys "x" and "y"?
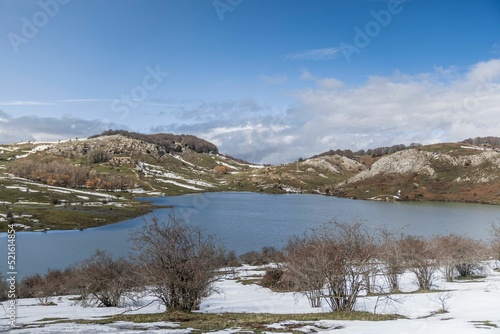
{"x": 91, "y": 182}
{"x": 445, "y": 172}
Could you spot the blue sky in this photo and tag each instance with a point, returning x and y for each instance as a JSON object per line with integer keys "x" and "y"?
{"x": 265, "y": 80}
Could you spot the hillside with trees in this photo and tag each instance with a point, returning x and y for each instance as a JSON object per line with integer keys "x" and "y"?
{"x": 483, "y": 141}
{"x": 168, "y": 141}
{"x": 116, "y": 168}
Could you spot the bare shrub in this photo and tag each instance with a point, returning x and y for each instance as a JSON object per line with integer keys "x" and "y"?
{"x": 265, "y": 256}
{"x": 179, "y": 263}
{"x": 391, "y": 254}
{"x": 307, "y": 266}
{"x": 332, "y": 264}
{"x": 271, "y": 278}
{"x": 231, "y": 260}
{"x": 52, "y": 171}
{"x": 36, "y": 286}
{"x": 459, "y": 255}
{"x": 98, "y": 156}
{"x": 276, "y": 279}
{"x": 495, "y": 241}
{"x": 252, "y": 258}
{"x": 64, "y": 173}
{"x": 442, "y": 299}
{"x": 220, "y": 170}
{"x": 28, "y": 286}
{"x": 420, "y": 257}
{"x": 4, "y": 288}
{"x": 104, "y": 281}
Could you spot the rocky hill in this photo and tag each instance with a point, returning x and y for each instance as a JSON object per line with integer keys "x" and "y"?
{"x": 56, "y": 182}
{"x": 445, "y": 172}
{"x": 168, "y": 142}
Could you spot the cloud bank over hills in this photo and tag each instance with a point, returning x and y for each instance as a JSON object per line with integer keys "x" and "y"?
{"x": 437, "y": 106}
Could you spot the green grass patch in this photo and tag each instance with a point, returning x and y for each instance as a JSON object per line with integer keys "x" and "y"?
{"x": 69, "y": 217}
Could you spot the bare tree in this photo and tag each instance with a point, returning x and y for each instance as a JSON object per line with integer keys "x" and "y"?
{"x": 391, "y": 254}
{"x": 104, "y": 281}
{"x": 495, "y": 241}
{"x": 4, "y": 288}
{"x": 29, "y": 285}
{"x": 98, "y": 156}
{"x": 458, "y": 254}
{"x": 332, "y": 264}
{"x": 442, "y": 299}
{"x": 420, "y": 257}
{"x": 306, "y": 262}
{"x": 265, "y": 256}
{"x": 179, "y": 263}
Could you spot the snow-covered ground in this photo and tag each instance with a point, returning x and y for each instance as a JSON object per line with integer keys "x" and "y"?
{"x": 162, "y": 175}
{"x": 473, "y": 307}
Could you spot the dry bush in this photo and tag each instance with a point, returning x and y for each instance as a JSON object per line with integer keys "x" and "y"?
{"x": 104, "y": 281}
{"x": 277, "y": 279}
{"x": 307, "y": 266}
{"x": 28, "y": 286}
{"x": 220, "y": 170}
{"x": 99, "y": 156}
{"x": 332, "y": 264}
{"x": 495, "y": 241}
{"x": 35, "y": 286}
{"x": 4, "y": 288}
{"x": 390, "y": 253}
{"x": 179, "y": 263}
{"x": 231, "y": 259}
{"x": 459, "y": 255}
{"x": 265, "y": 256}
{"x": 56, "y": 172}
{"x": 421, "y": 259}
{"x": 109, "y": 182}
{"x": 62, "y": 172}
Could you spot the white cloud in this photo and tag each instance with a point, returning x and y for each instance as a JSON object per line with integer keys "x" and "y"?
{"x": 274, "y": 79}
{"x": 14, "y": 129}
{"x": 495, "y": 48}
{"x": 92, "y": 100}
{"x": 327, "y": 83}
{"x": 53, "y": 102}
{"x": 25, "y": 103}
{"x": 441, "y": 105}
{"x": 315, "y": 54}
{"x": 401, "y": 109}
{"x": 306, "y": 75}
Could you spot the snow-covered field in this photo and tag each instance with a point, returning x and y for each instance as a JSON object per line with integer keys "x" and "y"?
{"x": 473, "y": 307}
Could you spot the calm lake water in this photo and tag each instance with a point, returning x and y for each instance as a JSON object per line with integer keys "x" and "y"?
{"x": 249, "y": 221}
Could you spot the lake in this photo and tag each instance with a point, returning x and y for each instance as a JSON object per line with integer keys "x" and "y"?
{"x": 249, "y": 221}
